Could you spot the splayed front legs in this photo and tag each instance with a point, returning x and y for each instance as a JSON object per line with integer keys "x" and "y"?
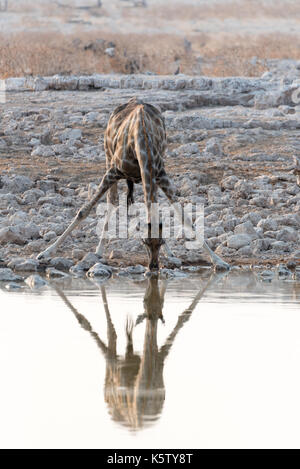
{"x": 166, "y": 185}
{"x": 110, "y": 177}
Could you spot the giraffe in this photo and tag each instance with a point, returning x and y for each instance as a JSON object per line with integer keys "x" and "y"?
{"x": 135, "y": 142}
{"x": 134, "y": 388}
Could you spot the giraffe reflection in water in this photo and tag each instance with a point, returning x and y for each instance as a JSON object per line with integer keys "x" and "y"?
{"x": 134, "y": 385}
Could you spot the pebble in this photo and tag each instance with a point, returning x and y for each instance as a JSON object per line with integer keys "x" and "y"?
{"x": 35, "y": 281}
{"x": 238, "y": 241}
{"x": 99, "y": 270}
{"x": 6, "y": 274}
{"x": 13, "y": 286}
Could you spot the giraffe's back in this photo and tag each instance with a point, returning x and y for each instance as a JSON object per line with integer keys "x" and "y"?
{"x": 131, "y": 125}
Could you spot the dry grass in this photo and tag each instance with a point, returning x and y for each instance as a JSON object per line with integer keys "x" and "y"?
{"x": 221, "y": 54}
{"x": 239, "y": 9}
{"x": 47, "y": 54}
{"x": 245, "y": 56}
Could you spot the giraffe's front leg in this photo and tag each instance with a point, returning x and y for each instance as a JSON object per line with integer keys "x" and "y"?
{"x": 103, "y": 240}
{"x": 108, "y": 180}
{"x": 166, "y": 185}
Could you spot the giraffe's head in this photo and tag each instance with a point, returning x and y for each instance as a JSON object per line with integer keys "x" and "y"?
{"x": 153, "y": 247}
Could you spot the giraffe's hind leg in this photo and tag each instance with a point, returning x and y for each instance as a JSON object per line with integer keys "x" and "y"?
{"x": 166, "y": 185}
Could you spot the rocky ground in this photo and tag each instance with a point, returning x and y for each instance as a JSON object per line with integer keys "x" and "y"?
{"x": 232, "y": 146}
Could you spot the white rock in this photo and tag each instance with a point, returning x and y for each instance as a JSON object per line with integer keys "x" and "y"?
{"x": 91, "y": 117}
{"x": 263, "y": 244}
{"x": 168, "y": 273}
{"x": 237, "y": 241}
{"x": 15, "y": 84}
{"x": 7, "y": 274}
{"x": 15, "y": 184}
{"x": 51, "y": 272}
{"x": 35, "y": 281}
{"x": 229, "y": 182}
{"x": 243, "y": 188}
{"x": 287, "y": 234}
{"x": 9, "y": 200}
{"x": 280, "y": 246}
{"x": 188, "y": 148}
{"x": 246, "y": 228}
{"x": 267, "y": 275}
{"x": 13, "y": 286}
{"x": 32, "y": 195}
{"x": 71, "y": 134}
{"x": 132, "y": 270}
{"x": 25, "y": 265}
{"x": 213, "y": 146}
{"x": 245, "y": 251}
{"x": 11, "y": 234}
{"x": 61, "y": 263}
{"x": 254, "y": 217}
{"x": 43, "y": 150}
{"x": 49, "y": 235}
{"x": 110, "y": 51}
{"x": 99, "y": 270}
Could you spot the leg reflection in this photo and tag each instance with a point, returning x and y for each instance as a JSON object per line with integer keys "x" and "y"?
{"x": 134, "y": 386}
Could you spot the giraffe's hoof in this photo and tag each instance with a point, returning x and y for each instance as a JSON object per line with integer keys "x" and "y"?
{"x": 43, "y": 255}
{"x": 221, "y": 267}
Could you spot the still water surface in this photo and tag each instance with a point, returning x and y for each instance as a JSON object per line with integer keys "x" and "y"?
{"x": 191, "y": 363}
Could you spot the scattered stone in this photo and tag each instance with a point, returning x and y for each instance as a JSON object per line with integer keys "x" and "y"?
{"x": 44, "y": 151}
{"x": 35, "y": 281}
{"x": 268, "y": 224}
{"x": 71, "y": 134}
{"x": 168, "y": 273}
{"x": 51, "y": 272}
{"x": 229, "y": 182}
{"x": 246, "y": 228}
{"x": 88, "y": 261}
{"x": 172, "y": 262}
{"x": 24, "y": 265}
{"x": 99, "y": 270}
{"x": 49, "y": 236}
{"x": 237, "y": 241}
{"x": 246, "y": 251}
{"x": 110, "y": 51}
{"x": 213, "y": 147}
{"x": 7, "y": 274}
{"x": 16, "y": 184}
{"x": 61, "y": 263}
{"x": 287, "y": 234}
{"x": 267, "y": 275}
{"x": 78, "y": 254}
{"x": 261, "y": 245}
{"x": 13, "y": 286}
{"x": 132, "y": 270}
{"x": 11, "y": 234}
{"x": 283, "y": 271}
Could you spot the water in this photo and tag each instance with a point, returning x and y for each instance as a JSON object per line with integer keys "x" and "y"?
{"x": 212, "y": 363}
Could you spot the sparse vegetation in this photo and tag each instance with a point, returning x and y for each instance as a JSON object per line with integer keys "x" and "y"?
{"x": 49, "y": 53}
{"x": 60, "y": 39}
